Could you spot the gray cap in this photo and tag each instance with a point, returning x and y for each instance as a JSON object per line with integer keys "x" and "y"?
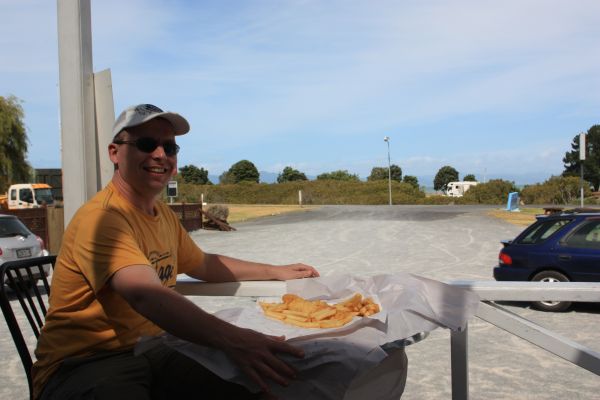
{"x": 137, "y": 115}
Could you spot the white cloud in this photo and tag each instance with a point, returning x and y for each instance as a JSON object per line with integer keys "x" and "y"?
{"x": 271, "y": 71}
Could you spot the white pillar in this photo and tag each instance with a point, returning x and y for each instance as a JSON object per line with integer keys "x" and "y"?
{"x": 105, "y": 117}
{"x": 77, "y": 115}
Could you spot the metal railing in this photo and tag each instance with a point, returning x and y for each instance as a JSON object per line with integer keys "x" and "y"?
{"x": 544, "y": 338}
{"x": 489, "y": 292}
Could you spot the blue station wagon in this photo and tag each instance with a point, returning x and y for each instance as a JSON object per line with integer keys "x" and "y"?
{"x": 560, "y": 247}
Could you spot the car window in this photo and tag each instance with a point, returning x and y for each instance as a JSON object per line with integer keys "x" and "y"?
{"x": 587, "y": 236}
{"x": 26, "y": 195}
{"x": 543, "y": 230}
{"x": 44, "y": 196}
{"x": 10, "y": 227}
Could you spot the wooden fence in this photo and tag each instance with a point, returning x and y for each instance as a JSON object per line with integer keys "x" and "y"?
{"x": 190, "y": 215}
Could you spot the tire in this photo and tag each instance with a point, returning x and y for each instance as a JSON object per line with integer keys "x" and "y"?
{"x": 554, "y": 306}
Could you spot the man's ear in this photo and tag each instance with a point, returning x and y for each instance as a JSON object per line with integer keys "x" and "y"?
{"x": 112, "y": 153}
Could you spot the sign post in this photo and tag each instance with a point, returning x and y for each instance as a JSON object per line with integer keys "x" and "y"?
{"x": 171, "y": 191}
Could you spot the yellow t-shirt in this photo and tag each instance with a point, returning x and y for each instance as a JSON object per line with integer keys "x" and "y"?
{"x": 85, "y": 315}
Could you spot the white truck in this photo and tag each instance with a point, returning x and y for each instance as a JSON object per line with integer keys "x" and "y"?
{"x": 457, "y": 189}
{"x": 27, "y": 195}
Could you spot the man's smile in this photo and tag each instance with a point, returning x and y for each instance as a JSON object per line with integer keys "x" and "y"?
{"x": 156, "y": 170}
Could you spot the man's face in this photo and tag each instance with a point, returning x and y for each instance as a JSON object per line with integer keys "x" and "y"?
{"x": 146, "y": 173}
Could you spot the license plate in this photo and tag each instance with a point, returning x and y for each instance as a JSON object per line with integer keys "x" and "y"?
{"x": 22, "y": 253}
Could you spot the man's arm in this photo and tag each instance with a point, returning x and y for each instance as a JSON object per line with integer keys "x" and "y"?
{"x": 220, "y": 268}
{"x": 252, "y": 351}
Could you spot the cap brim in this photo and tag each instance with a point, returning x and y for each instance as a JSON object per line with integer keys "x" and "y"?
{"x": 180, "y": 124}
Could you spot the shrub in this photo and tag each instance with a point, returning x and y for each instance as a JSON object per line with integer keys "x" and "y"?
{"x": 556, "y": 190}
{"x": 313, "y": 192}
{"x": 412, "y": 180}
{"x": 339, "y": 175}
{"x": 493, "y": 192}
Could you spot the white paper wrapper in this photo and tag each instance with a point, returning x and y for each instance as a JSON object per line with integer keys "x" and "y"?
{"x": 335, "y": 357}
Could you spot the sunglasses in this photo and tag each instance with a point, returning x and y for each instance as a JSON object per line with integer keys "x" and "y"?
{"x": 148, "y": 145}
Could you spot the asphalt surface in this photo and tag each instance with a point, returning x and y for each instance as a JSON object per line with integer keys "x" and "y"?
{"x": 439, "y": 242}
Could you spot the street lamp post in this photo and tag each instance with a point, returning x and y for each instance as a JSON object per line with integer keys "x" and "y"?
{"x": 387, "y": 140}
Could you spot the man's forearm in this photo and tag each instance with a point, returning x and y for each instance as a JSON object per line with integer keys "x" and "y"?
{"x": 252, "y": 351}
{"x": 180, "y": 317}
{"x": 220, "y": 268}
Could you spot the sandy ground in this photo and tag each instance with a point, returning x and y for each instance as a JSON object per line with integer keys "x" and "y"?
{"x": 439, "y": 242}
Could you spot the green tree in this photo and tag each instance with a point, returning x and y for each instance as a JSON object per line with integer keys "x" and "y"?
{"x": 445, "y": 175}
{"x": 411, "y": 180}
{"x": 339, "y": 175}
{"x": 14, "y": 167}
{"x": 470, "y": 178}
{"x": 290, "y": 174}
{"x": 591, "y": 164}
{"x": 378, "y": 173}
{"x": 244, "y": 170}
{"x": 192, "y": 174}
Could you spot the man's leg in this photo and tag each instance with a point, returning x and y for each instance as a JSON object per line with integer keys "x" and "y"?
{"x": 101, "y": 377}
{"x": 177, "y": 376}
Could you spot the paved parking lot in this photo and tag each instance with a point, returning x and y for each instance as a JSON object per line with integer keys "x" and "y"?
{"x": 439, "y": 242}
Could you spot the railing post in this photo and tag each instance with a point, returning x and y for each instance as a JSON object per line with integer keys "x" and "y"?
{"x": 200, "y": 212}
{"x": 459, "y": 354}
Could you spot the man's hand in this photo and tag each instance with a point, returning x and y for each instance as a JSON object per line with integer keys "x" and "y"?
{"x": 294, "y": 271}
{"x": 255, "y": 354}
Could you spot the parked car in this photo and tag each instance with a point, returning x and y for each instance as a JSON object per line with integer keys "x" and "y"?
{"x": 560, "y": 247}
{"x": 17, "y": 242}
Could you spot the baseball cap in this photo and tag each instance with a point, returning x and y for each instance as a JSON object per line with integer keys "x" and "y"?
{"x": 137, "y": 115}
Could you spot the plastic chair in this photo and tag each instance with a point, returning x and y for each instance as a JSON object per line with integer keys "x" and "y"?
{"x": 18, "y": 280}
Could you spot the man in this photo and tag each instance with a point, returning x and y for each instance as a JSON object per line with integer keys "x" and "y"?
{"x": 113, "y": 283}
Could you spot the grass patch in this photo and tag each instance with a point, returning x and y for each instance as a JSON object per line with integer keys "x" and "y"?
{"x": 245, "y": 212}
{"x": 525, "y": 217}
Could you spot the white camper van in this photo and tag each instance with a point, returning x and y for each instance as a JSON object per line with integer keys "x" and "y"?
{"x": 457, "y": 189}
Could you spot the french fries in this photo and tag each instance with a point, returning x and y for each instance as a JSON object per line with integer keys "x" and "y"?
{"x": 295, "y": 310}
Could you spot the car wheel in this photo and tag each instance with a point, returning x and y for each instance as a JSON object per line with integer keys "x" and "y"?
{"x": 551, "y": 276}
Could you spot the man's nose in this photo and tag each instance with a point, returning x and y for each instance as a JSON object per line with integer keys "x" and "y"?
{"x": 159, "y": 152}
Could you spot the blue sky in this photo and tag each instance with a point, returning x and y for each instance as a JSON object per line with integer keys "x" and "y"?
{"x": 493, "y": 88}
